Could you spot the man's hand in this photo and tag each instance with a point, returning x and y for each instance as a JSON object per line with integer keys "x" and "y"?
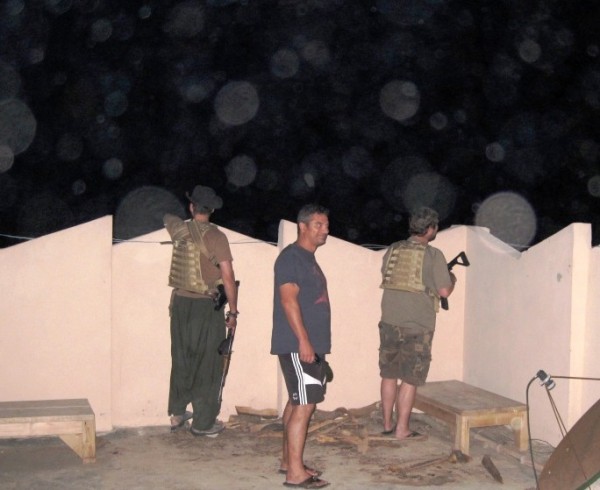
{"x": 306, "y": 352}
{"x": 452, "y": 277}
{"x": 231, "y": 321}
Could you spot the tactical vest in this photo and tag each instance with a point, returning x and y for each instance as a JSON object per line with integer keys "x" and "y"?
{"x": 188, "y": 244}
{"x": 404, "y": 269}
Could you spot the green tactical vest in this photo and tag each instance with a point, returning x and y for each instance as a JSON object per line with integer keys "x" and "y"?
{"x": 188, "y": 244}
{"x": 404, "y": 269}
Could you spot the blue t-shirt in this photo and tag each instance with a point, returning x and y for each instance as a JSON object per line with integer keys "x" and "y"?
{"x": 299, "y": 266}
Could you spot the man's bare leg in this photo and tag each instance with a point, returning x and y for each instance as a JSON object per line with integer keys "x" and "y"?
{"x": 287, "y": 413}
{"x": 295, "y": 434}
{"x": 404, "y": 405}
{"x": 389, "y": 394}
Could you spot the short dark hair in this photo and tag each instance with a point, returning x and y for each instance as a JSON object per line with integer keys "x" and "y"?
{"x": 197, "y": 209}
{"x": 308, "y": 210}
{"x": 421, "y": 219}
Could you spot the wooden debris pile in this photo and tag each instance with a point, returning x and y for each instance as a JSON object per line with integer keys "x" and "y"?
{"x": 405, "y": 468}
{"x": 340, "y": 426}
{"x": 346, "y": 427}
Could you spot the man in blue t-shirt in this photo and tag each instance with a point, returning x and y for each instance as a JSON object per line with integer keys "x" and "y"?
{"x": 301, "y": 338}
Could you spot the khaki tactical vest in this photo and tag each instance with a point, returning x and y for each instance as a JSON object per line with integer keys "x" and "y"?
{"x": 404, "y": 269}
{"x": 188, "y": 244}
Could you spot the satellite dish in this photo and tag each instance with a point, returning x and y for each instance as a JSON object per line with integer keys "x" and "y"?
{"x": 575, "y": 463}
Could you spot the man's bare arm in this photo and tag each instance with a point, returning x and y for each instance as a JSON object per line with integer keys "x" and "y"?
{"x": 291, "y": 307}
{"x": 445, "y": 292}
{"x": 228, "y": 277}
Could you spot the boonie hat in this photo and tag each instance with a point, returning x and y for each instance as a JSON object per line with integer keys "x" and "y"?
{"x": 206, "y": 197}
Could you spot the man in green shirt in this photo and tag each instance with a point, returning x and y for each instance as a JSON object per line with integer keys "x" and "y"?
{"x": 415, "y": 277}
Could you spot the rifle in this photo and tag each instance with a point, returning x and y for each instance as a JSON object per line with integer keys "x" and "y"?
{"x": 225, "y": 349}
{"x": 460, "y": 259}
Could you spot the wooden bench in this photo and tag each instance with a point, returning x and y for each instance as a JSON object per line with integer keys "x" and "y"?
{"x": 71, "y": 420}
{"x": 463, "y": 406}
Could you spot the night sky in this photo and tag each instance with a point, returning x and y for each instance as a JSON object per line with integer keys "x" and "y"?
{"x": 487, "y": 111}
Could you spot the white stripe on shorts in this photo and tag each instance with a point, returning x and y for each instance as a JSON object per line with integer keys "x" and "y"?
{"x": 300, "y": 377}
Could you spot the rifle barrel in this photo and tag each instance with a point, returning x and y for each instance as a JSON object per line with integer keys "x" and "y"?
{"x": 455, "y": 261}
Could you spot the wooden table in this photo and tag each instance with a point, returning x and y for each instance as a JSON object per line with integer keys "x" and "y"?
{"x": 463, "y": 406}
{"x": 71, "y": 420}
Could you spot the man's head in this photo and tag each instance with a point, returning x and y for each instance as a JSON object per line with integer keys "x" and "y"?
{"x": 204, "y": 200}
{"x": 421, "y": 220}
{"x": 313, "y": 226}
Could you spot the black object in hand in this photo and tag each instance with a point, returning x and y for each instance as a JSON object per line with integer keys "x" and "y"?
{"x": 328, "y": 370}
{"x": 221, "y": 298}
{"x": 460, "y": 259}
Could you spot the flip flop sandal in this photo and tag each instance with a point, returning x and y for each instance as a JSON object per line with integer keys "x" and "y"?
{"x": 311, "y": 482}
{"x": 184, "y": 418}
{"x": 414, "y": 436}
{"x": 316, "y": 473}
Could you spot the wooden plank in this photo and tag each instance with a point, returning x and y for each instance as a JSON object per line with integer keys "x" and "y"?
{"x": 436, "y": 411}
{"x": 268, "y": 413}
{"x": 462, "y": 432}
{"x": 463, "y": 398}
{"x": 72, "y": 420}
{"x": 84, "y": 444}
{"x": 29, "y": 429}
{"x": 44, "y": 409}
{"x": 463, "y": 407}
{"x": 26, "y": 404}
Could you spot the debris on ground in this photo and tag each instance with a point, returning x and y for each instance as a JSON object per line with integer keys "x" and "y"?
{"x": 327, "y": 427}
{"x": 489, "y": 465}
{"x": 349, "y": 427}
{"x": 458, "y": 456}
{"x": 360, "y": 430}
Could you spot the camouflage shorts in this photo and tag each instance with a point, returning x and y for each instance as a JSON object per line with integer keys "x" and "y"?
{"x": 404, "y": 353}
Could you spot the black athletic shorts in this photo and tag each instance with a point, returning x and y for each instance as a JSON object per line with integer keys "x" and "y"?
{"x": 305, "y": 381}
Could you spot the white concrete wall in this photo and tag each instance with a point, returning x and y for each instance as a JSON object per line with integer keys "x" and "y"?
{"x": 591, "y": 344}
{"x": 84, "y": 318}
{"x": 141, "y": 339}
{"x": 448, "y": 344}
{"x": 526, "y": 312}
{"x": 55, "y": 327}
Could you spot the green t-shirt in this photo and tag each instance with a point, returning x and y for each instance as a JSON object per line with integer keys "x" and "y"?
{"x": 416, "y": 310}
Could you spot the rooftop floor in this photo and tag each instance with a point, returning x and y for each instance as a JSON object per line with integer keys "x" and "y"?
{"x": 351, "y": 454}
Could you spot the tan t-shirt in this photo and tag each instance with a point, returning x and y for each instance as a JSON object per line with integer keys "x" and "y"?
{"x": 416, "y": 310}
{"x": 217, "y": 245}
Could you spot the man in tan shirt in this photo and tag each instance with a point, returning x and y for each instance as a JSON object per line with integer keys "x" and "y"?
{"x": 201, "y": 261}
{"x": 415, "y": 277}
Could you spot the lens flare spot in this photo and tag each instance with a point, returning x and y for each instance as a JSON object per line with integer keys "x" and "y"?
{"x": 285, "y": 63}
{"x": 509, "y": 217}
{"x": 236, "y": 103}
{"x": 7, "y": 158}
{"x": 593, "y": 186}
{"x": 241, "y": 171}
{"x": 17, "y": 125}
{"x": 495, "y": 152}
{"x": 399, "y": 100}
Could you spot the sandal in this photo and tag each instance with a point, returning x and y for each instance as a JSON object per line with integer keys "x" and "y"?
{"x": 178, "y": 421}
{"x": 312, "y": 471}
{"x": 311, "y": 482}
